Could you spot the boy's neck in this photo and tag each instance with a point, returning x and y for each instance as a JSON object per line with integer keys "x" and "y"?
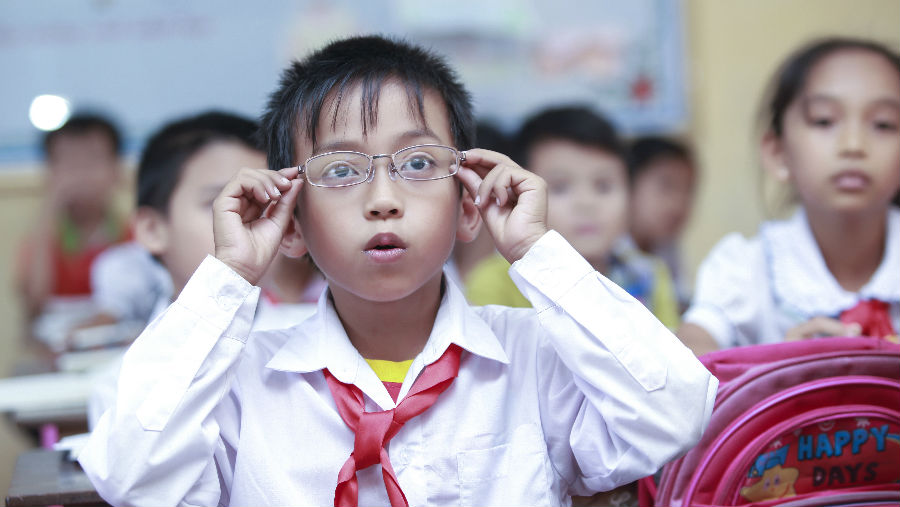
{"x": 851, "y": 245}
{"x": 392, "y": 331}
{"x": 289, "y": 278}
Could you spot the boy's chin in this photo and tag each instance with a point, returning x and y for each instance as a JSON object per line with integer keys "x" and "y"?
{"x": 392, "y": 289}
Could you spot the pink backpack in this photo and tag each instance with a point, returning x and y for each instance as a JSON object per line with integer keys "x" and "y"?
{"x": 808, "y": 423}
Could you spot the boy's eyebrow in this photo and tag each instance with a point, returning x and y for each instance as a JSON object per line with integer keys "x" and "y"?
{"x": 403, "y": 140}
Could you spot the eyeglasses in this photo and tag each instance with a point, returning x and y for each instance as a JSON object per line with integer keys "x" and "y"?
{"x": 422, "y": 162}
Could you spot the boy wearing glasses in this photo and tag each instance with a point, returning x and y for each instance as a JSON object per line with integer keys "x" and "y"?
{"x": 498, "y": 406}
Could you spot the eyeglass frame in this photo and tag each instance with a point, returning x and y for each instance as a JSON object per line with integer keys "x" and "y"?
{"x": 370, "y": 170}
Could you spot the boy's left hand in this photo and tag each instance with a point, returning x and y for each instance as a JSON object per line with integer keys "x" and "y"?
{"x": 512, "y": 201}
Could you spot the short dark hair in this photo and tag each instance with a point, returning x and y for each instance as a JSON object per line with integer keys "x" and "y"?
{"x": 790, "y": 78}
{"x": 82, "y": 123}
{"x": 490, "y": 137}
{"x": 644, "y": 151}
{"x": 578, "y": 124}
{"x": 170, "y": 148}
{"x": 295, "y": 106}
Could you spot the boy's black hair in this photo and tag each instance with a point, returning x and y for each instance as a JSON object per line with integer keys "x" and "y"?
{"x": 790, "y": 79}
{"x": 80, "y": 124}
{"x": 578, "y": 124}
{"x": 331, "y": 73}
{"x": 170, "y": 148}
{"x": 646, "y": 150}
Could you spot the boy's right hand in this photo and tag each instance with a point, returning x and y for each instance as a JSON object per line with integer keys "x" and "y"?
{"x": 250, "y": 217}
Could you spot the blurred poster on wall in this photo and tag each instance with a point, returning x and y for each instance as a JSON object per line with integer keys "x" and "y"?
{"x": 147, "y": 62}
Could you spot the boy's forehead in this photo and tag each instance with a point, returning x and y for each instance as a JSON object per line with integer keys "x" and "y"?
{"x": 382, "y": 122}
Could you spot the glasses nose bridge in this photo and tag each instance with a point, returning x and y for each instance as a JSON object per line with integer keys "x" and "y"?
{"x": 392, "y": 169}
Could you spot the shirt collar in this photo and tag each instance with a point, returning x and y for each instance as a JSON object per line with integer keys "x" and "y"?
{"x": 801, "y": 280}
{"x": 321, "y": 342}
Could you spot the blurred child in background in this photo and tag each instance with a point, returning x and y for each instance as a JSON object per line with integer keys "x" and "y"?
{"x": 77, "y": 221}
{"x": 832, "y": 131}
{"x": 579, "y": 154}
{"x": 183, "y": 168}
{"x": 663, "y": 177}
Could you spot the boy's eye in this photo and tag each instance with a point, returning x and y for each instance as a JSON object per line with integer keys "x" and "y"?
{"x": 417, "y": 163}
{"x": 339, "y": 170}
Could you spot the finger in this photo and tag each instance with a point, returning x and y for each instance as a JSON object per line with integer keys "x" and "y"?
{"x": 243, "y": 190}
{"x": 818, "y": 326}
{"x": 483, "y": 161}
{"x": 512, "y": 180}
{"x": 275, "y": 182}
{"x": 486, "y": 191}
{"x": 829, "y": 327}
{"x": 470, "y": 180}
{"x": 290, "y": 172}
{"x": 280, "y": 212}
{"x": 506, "y": 183}
{"x": 852, "y": 329}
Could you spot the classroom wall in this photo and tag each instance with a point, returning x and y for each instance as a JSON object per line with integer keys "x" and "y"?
{"x": 733, "y": 47}
{"x": 18, "y": 203}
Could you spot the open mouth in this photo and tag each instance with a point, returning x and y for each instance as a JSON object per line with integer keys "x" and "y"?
{"x": 385, "y": 247}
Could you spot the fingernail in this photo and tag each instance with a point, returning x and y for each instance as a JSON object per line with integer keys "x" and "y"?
{"x": 276, "y": 192}
{"x": 497, "y": 200}
{"x": 285, "y": 180}
{"x": 267, "y": 196}
{"x": 477, "y": 200}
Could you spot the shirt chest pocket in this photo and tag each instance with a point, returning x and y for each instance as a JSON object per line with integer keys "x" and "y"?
{"x": 517, "y": 472}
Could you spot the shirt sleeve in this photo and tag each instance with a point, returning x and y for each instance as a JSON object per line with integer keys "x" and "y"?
{"x": 620, "y": 394}
{"x": 162, "y": 442}
{"x": 125, "y": 282}
{"x": 728, "y": 290}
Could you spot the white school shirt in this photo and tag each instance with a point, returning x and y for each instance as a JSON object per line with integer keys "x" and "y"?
{"x": 128, "y": 283}
{"x": 583, "y": 392}
{"x": 268, "y": 316}
{"x": 752, "y": 291}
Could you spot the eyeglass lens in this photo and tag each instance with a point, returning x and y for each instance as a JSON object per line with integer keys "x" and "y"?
{"x": 413, "y": 163}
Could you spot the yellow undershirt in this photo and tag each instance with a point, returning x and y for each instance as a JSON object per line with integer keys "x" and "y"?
{"x": 390, "y": 371}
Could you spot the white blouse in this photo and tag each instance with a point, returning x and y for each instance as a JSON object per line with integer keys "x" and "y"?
{"x": 751, "y": 291}
{"x": 581, "y": 393}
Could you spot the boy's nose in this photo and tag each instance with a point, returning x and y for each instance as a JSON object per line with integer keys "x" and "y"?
{"x": 383, "y": 199}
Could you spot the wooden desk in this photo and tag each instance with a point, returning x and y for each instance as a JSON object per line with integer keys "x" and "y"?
{"x": 48, "y": 478}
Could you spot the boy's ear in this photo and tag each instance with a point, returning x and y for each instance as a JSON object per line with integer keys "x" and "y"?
{"x": 773, "y": 157}
{"x": 469, "y": 219}
{"x": 292, "y": 243}
{"x": 151, "y": 230}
